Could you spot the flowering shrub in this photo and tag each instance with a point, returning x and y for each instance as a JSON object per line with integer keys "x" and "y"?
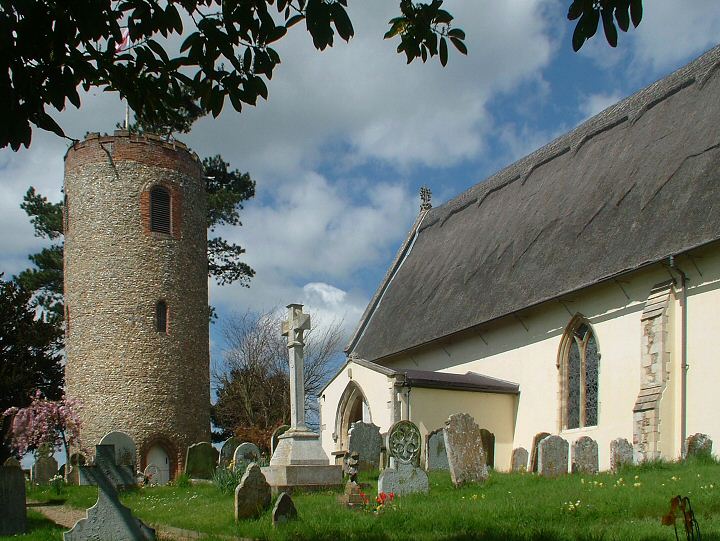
{"x": 45, "y": 422}
{"x": 57, "y": 483}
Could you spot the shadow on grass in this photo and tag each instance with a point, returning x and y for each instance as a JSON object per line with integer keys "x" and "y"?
{"x": 39, "y": 528}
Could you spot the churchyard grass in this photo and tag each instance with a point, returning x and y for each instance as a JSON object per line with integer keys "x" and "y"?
{"x": 627, "y": 505}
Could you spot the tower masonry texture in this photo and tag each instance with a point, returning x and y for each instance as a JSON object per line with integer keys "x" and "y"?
{"x": 131, "y": 375}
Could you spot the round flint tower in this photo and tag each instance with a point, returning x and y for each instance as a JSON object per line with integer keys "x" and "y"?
{"x": 136, "y": 294}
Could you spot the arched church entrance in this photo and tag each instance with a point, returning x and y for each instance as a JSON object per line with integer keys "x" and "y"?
{"x": 353, "y": 406}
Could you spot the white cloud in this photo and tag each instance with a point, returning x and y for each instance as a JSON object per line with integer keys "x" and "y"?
{"x": 595, "y": 103}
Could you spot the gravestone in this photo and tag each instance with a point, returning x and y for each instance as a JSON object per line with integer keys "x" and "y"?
{"x": 352, "y": 465}
{"x": 352, "y": 497}
{"x": 698, "y": 445}
{"x": 365, "y": 439}
{"x": 584, "y": 455}
{"x": 150, "y": 473}
{"x": 519, "y": 459}
{"x": 13, "y": 518}
{"x": 12, "y": 462}
{"x": 252, "y": 495}
{"x": 227, "y": 451}
{"x": 534, "y": 451}
{"x": 488, "y": 443}
{"x": 200, "y": 460}
{"x": 108, "y": 518}
{"x": 245, "y": 454}
{"x": 435, "y": 453}
{"x": 403, "y": 476}
{"x": 553, "y": 456}
{"x": 466, "y": 456}
{"x": 125, "y": 449}
{"x": 279, "y": 431}
{"x": 621, "y": 453}
{"x": 45, "y": 468}
{"x": 76, "y": 460}
{"x": 105, "y": 468}
{"x": 284, "y": 509}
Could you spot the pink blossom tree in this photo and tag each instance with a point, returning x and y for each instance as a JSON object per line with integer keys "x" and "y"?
{"x": 55, "y": 424}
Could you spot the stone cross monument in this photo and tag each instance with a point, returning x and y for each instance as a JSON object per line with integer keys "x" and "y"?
{"x": 296, "y": 324}
{"x": 299, "y": 459}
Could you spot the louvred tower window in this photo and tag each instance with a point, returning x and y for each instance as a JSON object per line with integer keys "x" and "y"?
{"x": 160, "y": 209}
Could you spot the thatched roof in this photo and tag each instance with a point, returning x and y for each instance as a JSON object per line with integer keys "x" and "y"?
{"x": 630, "y": 187}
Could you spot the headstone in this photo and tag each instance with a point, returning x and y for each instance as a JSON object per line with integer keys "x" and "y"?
{"x": 284, "y": 509}
{"x": 352, "y": 465}
{"x": 279, "y": 431}
{"x": 244, "y": 455}
{"x": 150, "y": 474}
{"x": 43, "y": 470}
{"x": 584, "y": 455}
{"x": 621, "y": 453}
{"x": 403, "y": 476}
{"x": 200, "y": 460}
{"x": 105, "y": 468}
{"x": 553, "y": 456}
{"x": 466, "y": 456}
{"x": 227, "y": 451}
{"x": 435, "y": 453}
{"x": 352, "y": 497}
{"x": 108, "y": 518}
{"x": 12, "y": 462}
{"x": 698, "y": 445}
{"x": 13, "y": 516}
{"x": 488, "y": 443}
{"x": 252, "y": 495}
{"x": 365, "y": 438}
{"x": 534, "y": 451}
{"x": 125, "y": 449}
{"x": 519, "y": 459}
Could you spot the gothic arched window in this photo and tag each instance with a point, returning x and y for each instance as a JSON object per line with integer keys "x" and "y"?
{"x": 579, "y": 363}
{"x": 160, "y": 210}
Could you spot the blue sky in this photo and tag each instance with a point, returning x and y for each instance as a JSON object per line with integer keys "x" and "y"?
{"x": 348, "y": 136}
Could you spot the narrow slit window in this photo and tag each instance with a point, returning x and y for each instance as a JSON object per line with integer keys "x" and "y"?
{"x": 160, "y": 210}
{"x": 161, "y": 317}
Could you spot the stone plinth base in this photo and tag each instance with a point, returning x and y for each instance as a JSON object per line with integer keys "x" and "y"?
{"x": 299, "y": 448}
{"x": 287, "y": 478}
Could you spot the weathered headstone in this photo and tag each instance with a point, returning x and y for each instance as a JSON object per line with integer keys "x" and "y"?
{"x": 584, "y": 455}
{"x": 488, "y": 443}
{"x": 200, "y": 460}
{"x": 252, "y": 495}
{"x": 43, "y": 470}
{"x": 553, "y": 456}
{"x": 244, "y": 455}
{"x": 284, "y": 509}
{"x": 365, "y": 439}
{"x": 534, "y": 451}
{"x": 13, "y": 518}
{"x": 698, "y": 445}
{"x": 125, "y": 449}
{"x": 621, "y": 453}
{"x": 403, "y": 477}
{"x": 108, "y": 518}
{"x": 466, "y": 456}
{"x": 352, "y": 465}
{"x": 435, "y": 453}
{"x": 352, "y": 497}
{"x": 279, "y": 431}
{"x": 12, "y": 462}
{"x": 227, "y": 451}
{"x": 519, "y": 459}
{"x": 105, "y": 468}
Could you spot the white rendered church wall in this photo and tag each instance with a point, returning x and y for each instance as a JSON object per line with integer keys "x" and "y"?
{"x": 430, "y": 408}
{"x": 376, "y": 388}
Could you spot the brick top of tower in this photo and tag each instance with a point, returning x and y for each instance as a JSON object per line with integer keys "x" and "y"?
{"x": 147, "y": 149}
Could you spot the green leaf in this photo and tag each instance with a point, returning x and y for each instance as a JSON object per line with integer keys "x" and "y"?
{"x": 636, "y": 11}
{"x": 443, "y": 52}
{"x": 459, "y": 45}
{"x": 575, "y": 10}
{"x": 456, "y": 33}
{"x": 292, "y": 21}
{"x": 623, "y": 17}
{"x": 609, "y": 26}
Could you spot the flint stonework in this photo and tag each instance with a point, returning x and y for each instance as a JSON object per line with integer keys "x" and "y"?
{"x": 252, "y": 495}
{"x": 553, "y": 456}
{"x": 519, "y": 459}
{"x": 534, "y": 451}
{"x": 435, "y": 453}
{"x": 698, "y": 445}
{"x": 584, "y": 455}
{"x": 201, "y": 460}
{"x": 621, "y": 453}
{"x": 365, "y": 439}
{"x": 13, "y": 518}
{"x": 466, "y": 456}
{"x": 284, "y": 509}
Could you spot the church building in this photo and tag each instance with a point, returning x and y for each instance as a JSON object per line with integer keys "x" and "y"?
{"x": 575, "y": 292}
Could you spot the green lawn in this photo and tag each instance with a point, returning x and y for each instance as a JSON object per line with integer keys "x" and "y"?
{"x": 624, "y": 506}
